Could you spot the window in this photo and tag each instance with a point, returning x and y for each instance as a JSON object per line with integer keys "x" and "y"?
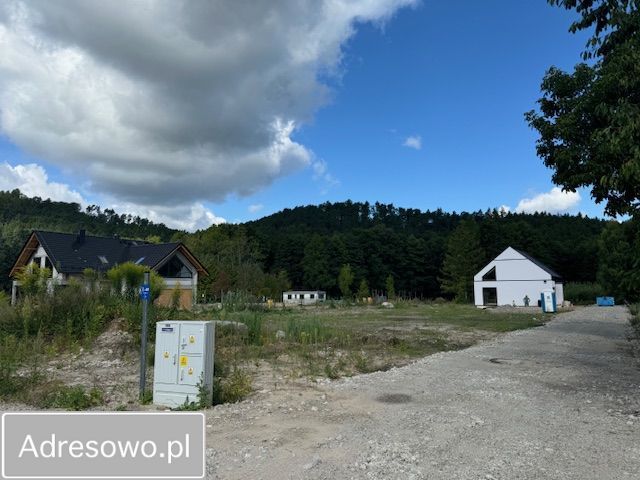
{"x": 490, "y": 275}
{"x": 174, "y": 268}
{"x": 139, "y": 260}
{"x": 289, "y": 297}
{"x": 47, "y": 263}
{"x": 103, "y": 259}
{"x": 312, "y": 296}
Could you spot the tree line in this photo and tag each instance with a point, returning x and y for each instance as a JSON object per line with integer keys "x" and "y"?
{"x": 354, "y": 249}
{"x": 372, "y": 246}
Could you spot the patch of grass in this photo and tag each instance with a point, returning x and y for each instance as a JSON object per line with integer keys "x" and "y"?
{"x": 331, "y": 371}
{"x": 147, "y": 397}
{"x": 582, "y": 293}
{"x": 71, "y": 398}
{"x": 253, "y": 321}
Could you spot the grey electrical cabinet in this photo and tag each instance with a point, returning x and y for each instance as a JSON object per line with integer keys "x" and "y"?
{"x": 183, "y": 361}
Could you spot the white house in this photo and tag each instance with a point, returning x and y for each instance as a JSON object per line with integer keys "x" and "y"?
{"x": 303, "y": 297}
{"x": 512, "y": 276}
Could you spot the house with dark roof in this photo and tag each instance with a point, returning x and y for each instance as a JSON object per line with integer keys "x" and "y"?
{"x": 513, "y": 276}
{"x": 67, "y": 255}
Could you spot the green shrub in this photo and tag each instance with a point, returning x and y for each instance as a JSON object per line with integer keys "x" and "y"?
{"x": 306, "y": 330}
{"x": 10, "y": 320}
{"x": 635, "y": 318}
{"x": 234, "y": 388}
{"x": 34, "y": 280}
{"x": 10, "y": 357}
{"x": 126, "y": 279}
{"x": 582, "y": 293}
{"x": 253, "y": 321}
{"x": 73, "y": 398}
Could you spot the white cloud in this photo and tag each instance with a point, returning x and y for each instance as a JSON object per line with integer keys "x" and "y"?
{"x": 164, "y": 102}
{"x": 255, "y": 208}
{"x": 554, "y": 201}
{"x": 190, "y": 217}
{"x": 33, "y": 181}
{"x": 414, "y": 141}
{"x": 321, "y": 174}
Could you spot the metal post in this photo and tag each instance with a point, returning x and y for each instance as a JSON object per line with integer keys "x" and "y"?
{"x": 143, "y": 339}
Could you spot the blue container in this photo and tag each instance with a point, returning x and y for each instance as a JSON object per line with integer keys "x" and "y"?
{"x": 605, "y": 301}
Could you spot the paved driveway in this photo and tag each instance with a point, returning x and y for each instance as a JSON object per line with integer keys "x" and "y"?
{"x": 560, "y": 402}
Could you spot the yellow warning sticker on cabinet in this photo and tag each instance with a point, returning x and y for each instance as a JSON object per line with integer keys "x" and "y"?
{"x": 183, "y": 360}
{"x": 192, "y": 339}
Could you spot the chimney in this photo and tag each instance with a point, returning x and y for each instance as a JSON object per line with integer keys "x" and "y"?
{"x": 81, "y": 236}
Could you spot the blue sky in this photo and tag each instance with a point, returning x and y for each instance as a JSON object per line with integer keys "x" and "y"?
{"x": 450, "y": 79}
{"x": 459, "y": 77}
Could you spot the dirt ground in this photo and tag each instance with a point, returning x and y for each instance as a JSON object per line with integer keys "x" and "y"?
{"x": 112, "y": 362}
{"x": 560, "y": 401}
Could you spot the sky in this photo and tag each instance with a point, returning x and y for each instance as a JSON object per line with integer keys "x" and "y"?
{"x": 193, "y": 113}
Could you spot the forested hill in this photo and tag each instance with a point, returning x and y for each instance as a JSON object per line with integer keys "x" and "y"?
{"x": 20, "y": 214}
{"x": 312, "y": 243}
{"x": 307, "y": 246}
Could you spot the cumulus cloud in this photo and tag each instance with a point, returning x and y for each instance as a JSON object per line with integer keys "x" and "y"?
{"x": 255, "y": 208}
{"x": 33, "y": 181}
{"x": 164, "y": 102}
{"x": 188, "y": 217}
{"x": 554, "y": 201}
{"x": 414, "y": 141}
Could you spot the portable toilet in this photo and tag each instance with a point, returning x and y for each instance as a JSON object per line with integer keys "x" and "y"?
{"x": 548, "y": 301}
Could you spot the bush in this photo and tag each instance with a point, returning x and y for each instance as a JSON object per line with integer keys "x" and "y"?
{"x": 234, "y": 388}
{"x": 9, "y": 362}
{"x": 73, "y": 398}
{"x": 253, "y": 322}
{"x": 127, "y": 277}
{"x": 582, "y": 293}
{"x": 306, "y": 330}
{"x": 72, "y": 312}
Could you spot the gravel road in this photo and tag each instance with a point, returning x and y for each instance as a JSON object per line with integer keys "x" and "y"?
{"x": 556, "y": 402}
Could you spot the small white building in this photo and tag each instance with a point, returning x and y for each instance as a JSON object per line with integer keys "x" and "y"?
{"x": 303, "y": 297}
{"x": 512, "y": 276}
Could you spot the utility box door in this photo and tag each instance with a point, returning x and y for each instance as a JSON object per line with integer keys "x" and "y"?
{"x": 190, "y": 370}
{"x": 191, "y": 339}
{"x": 166, "y": 355}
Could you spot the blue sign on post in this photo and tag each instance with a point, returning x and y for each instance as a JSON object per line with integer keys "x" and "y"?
{"x": 145, "y": 292}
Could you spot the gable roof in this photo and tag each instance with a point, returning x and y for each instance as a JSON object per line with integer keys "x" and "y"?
{"x": 554, "y": 275}
{"x": 72, "y": 253}
{"x": 511, "y": 253}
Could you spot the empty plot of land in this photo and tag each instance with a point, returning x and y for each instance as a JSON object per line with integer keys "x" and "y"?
{"x": 559, "y": 401}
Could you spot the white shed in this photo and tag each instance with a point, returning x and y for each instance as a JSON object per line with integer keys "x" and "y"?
{"x": 303, "y": 297}
{"x": 512, "y": 276}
